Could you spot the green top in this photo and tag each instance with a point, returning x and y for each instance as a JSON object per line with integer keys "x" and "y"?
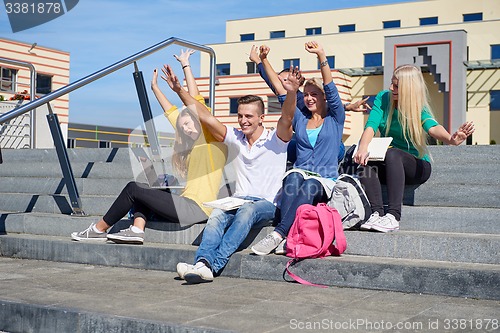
{"x": 378, "y": 121}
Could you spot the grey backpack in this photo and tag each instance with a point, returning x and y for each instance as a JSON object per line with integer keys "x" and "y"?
{"x": 350, "y": 200}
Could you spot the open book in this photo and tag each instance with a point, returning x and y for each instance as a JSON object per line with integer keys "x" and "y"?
{"x": 377, "y": 148}
{"x": 228, "y": 203}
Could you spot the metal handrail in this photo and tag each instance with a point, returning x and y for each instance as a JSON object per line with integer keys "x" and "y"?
{"x": 110, "y": 69}
{"x": 32, "y": 93}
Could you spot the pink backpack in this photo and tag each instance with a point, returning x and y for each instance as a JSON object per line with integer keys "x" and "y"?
{"x": 317, "y": 232}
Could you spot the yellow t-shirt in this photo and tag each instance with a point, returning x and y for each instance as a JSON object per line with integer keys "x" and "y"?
{"x": 205, "y": 165}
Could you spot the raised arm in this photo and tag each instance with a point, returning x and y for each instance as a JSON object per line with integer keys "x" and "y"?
{"x": 183, "y": 58}
{"x": 217, "y": 129}
{"x": 291, "y": 85}
{"x": 316, "y": 48}
{"x": 441, "y": 134}
{"x": 270, "y": 73}
{"x": 168, "y": 108}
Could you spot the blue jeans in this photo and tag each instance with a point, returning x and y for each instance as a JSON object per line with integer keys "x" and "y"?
{"x": 295, "y": 192}
{"x": 226, "y": 230}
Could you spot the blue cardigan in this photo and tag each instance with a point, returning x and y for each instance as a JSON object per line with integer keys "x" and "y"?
{"x": 323, "y": 158}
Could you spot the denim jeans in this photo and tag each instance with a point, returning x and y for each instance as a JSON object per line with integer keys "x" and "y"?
{"x": 226, "y": 230}
{"x": 295, "y": 192}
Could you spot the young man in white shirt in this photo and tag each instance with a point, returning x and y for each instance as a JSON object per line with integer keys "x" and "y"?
{"x": 260, "y": 160}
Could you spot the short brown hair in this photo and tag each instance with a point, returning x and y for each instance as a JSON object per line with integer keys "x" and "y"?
{"x": 249, "y": 99}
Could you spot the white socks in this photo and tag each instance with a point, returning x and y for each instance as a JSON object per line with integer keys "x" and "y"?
{"x": 136, "y": 230}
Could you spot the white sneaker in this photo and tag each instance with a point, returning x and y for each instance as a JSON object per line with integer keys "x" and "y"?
{"x": 200, "y": 273}
{"x": 281, "y": 249}
{"x": 369, "y": 223}
{"x": 183, "y": 269}
{"x": 386, "y": 223}
{"x": 267, "y": 244}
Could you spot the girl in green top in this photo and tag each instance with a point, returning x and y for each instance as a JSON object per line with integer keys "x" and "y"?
{"x": 403, "y": 113}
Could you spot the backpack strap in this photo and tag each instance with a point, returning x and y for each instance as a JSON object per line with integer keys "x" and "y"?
{"x": 297, "y": 278}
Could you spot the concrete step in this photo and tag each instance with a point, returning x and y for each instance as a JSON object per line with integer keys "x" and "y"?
{"x": 65, "y": 297}
{"x": 467, "y": 155}
{"x": 421, "y": 245}
{"x": 406, "y": 275}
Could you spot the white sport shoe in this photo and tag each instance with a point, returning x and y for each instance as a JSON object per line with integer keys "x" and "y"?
{"x": 183, "y": 269}
{"x": 267, "y": 244}
{"x": 281, "y": 249}
{"x": 386, "y": 223}
{"x": 369, "y": 223}
{"x": 200, "y": 273}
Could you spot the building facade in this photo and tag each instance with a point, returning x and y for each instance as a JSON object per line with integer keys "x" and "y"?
{"x": 52, "y": 72}
{"x": 354, "y": 41}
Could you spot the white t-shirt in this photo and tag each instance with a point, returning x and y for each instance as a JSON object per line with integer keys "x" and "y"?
{"x": 259, "y": 169}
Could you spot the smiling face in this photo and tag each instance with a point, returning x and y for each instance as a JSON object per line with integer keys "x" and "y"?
{"x": 394, "y": 88}
{"x": 314, "y": 98}
{"x": 250, "y": 118}
{"x": 188, "y": 126}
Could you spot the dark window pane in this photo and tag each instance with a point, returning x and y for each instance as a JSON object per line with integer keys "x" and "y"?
{"x": 277, "y": 34}
{"x": 494, "y": 100}
{"x": 233, "y": 105}
{"x": 428, "y": 20}
{"x": 347, "y": 28}
{"x": 273, "y": 105}
{"x": 223, "y": 69}
{"x": 43, "y": 84}
{"x": 7, "y": 79}
{"x": 291, "y": 62}
{"x": 331, "y": 62}
{"x": 373, "y": 59}
{"x": 251, "y": 67}
{"x": 473, "y": 17}
{"x": 392, "y": 24}
{"x": 495, "y": 51}
{"x": 245, "y": 37}
{"x": 313, "y": 31}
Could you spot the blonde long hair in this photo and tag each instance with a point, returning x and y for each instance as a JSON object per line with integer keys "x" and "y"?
{"x": 183, "y": 145}
{"x": 413, "y": 97}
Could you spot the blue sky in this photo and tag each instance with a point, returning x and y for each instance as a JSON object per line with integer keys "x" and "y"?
{"x": 98, "y": 33}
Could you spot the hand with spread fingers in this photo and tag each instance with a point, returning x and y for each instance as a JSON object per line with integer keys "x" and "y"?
{"x": 183, "y": 58}
{"x": 293, "y": 80}
{"x": 359, "y": 106}
{"x": 462, "y": 133}
{"x": 171, "y": 79}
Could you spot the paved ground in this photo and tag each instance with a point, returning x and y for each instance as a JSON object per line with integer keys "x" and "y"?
{"x": 109, "y": 299}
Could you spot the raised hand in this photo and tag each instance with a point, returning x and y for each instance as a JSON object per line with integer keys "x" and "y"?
{"x": 254, "y": 56}
{"x": 171, "y": 79}
{"x": 154, "y": 80}
{"x": 293, "y": 81}
{"x": 359, "y": 106}
{"x": 264, "y": 51}
{"x": 462, "y": 133}
{"x": 183, "y": 58}
{"x": 314, "y": 47}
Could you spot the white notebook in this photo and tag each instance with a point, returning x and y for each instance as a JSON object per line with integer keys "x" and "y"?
{"x": 228, "y": 203}
{"x": 377, "y": 148}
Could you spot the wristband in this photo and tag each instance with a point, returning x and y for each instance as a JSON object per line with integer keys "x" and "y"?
{"x": 185, "y": 66}
{"x": 323, "y": 63}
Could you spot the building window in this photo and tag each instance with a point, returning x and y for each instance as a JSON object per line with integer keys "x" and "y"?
{"x": 277, "y": 34}
{"x": 291, "y": 62}
{"x": 473, "y": 17}
{"x": 373, "y": 59}
{"x": 104, "y": 144}
{"x": 273, "y": 104}
{"x": 223, "y": 69}
{"x": 251, "y": 67}
{"x": 233, "y": 105}
{"x": 347, "y": 28}
{"x": 392, "y": 24}
{"x": 71, "y": 143}
{"x": 7, "y": 79}
{"x": 495, "y": 51}
{"x": 428, "y": 20}
{"x": 313, "y": 31}
{"x": 331, "y": 62}
{"x": 494, "y": 100}
{"x": 245, "y": 37}
{"x": 43, "y": 84}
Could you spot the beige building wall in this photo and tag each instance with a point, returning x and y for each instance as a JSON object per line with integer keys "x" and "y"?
{"x": 47, "y": 61}
{"x": 349, "y": 49}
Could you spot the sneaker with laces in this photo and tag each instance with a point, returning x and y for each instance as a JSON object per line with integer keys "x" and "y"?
{"x": 266, "y": 245}
{"x": 369, "y": 223}
{"x": 199, "y": 273}
{"x": 89, "y": 234}
{"x": 281, "y": 249}
{"x": 127, "y": 236}
{"x": 183, "y": 269}
{"x": 386, "y": 223}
